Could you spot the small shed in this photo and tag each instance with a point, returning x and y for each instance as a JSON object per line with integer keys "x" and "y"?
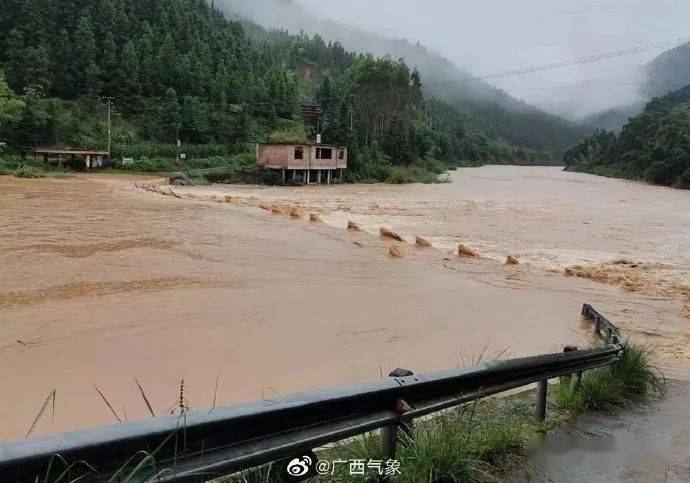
{"x": 75, "y": 158}
{"x": 309, "y": 162}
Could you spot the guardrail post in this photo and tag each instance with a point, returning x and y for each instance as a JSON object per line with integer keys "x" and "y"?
{"x": 541, "y": 400}
{"x": 575, "y": 381}
{"x": 389, "y": 434}
{"x": 568, "y": 378}
{"x": 389, "y": 441}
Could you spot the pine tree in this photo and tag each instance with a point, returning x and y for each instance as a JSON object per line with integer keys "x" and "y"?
{"x": 85, "y": 70}
{"x": 110, "y": 63}
{"x": 170, "y": 116}
{"x": 416, "y": 94}
{"x": 63, "y": 85}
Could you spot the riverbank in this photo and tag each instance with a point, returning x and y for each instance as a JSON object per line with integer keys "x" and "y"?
{"x": 104, "y": 282}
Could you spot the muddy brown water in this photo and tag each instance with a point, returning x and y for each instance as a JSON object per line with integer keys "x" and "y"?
{"x": 102, "y": 282}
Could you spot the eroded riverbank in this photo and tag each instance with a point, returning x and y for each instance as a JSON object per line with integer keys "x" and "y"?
{"x": 104, "y": 282}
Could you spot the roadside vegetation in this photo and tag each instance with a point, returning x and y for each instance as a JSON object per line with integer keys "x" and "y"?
{"x": 486, "y": 440}
{"x": 489, "y": 440}
{"x": 633, "y": 380}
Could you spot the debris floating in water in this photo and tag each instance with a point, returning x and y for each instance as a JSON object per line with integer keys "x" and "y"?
{"x": 315, "y": 218}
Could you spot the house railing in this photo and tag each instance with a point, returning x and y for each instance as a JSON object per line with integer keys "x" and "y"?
{"x": 203, "y": 445}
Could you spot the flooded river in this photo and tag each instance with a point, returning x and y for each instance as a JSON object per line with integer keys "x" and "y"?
{"x": 104, "y": 282}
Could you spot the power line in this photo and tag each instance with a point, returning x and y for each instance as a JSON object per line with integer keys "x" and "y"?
{"x": 521, "y": 71}
{"x": 567, "y": 63}
{"x": 554, "y": 65}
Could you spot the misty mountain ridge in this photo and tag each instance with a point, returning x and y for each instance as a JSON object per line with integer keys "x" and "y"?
{"x": 653, "y": 146}
{"x": 668, "y": 72}
{"x": 615, "y": 118}
{"x": 491, "y": 108}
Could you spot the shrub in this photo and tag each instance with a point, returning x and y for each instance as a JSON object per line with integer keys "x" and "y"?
{"x": 147, "y": 165}
{"x": 412, "y": 174}
{"x": 631, "y": 380}
{"x": 28, "y": 171}
{"x": 146, "y": 149}
{"x": 368, "y": 164}
{"x": 683, "y": 181}
{"x": 659, "y": 173}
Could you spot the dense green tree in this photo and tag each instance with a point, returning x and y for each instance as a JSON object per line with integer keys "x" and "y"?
{"x": 654, "y": 145}
{"x": 35, "y": 125}
{"x": 86, "y": 70}
{"x": 10, "y": 109}
{"x": 179, "y": 66}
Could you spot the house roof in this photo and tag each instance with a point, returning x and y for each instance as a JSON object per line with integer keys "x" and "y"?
{"x": 301, "y": 143}
{"x": 40, "y": 150}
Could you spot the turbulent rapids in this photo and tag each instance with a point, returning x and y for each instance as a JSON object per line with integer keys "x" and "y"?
{"x": 265, "y": 290}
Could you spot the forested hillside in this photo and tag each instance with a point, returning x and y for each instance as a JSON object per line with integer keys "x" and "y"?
{"x": 669, "y": 71}
{"x": 487, "y": 108}
{"x": 654, "y": 146}
{"x": 178, "y": 69}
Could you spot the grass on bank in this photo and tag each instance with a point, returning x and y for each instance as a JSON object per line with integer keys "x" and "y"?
{"x": 489, "y": 439}
{"x": 632, "y": 380}
{"x": 30, "y": 169}
{"x": 211, "y": 166}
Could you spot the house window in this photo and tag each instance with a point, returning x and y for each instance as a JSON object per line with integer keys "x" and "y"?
{"x": 324, "y": 153}
{"x": 299, "y": 153}
{"x": 341, "y": 154}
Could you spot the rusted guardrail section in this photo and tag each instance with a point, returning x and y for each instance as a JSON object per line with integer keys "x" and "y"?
{"x": 203, "y": 445}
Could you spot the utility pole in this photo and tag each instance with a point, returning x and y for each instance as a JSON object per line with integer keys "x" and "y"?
{"x": 110, "y": 136}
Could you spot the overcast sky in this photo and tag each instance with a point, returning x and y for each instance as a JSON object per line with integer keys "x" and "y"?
{"x": 486, "y": 36}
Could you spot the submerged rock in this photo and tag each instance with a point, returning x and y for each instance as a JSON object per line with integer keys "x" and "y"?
{"x": 386, "y": 233}
{"x": 512, "y": 260}
{"x": 467, "y": 252}
{"x": 397, "y": 252}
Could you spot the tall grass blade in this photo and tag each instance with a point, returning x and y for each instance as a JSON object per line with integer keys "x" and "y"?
{"x": 215, "y": 393}
{"x": 107, "y": 402}
{"x": 148, "y": 460}
{"x": 146, "y": 400}
{"x": 40, "y": 413}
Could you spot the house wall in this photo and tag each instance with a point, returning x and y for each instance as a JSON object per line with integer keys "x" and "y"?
{"x": 282, "y": 156}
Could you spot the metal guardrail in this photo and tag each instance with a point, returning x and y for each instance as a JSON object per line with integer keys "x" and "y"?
{"x": 203, "y": 445}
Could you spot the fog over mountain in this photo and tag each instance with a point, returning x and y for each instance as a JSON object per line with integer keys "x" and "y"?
{"x": 490, "y": 108}
{"x": 495, "y": 36}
